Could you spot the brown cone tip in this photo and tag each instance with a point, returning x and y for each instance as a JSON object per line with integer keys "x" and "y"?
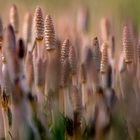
{"x": 104, "y": 59}
{"x": 72, "y": 59}
{"x": 65, "y": 50}
{"x": 97, "y": 53}
{"x": 127, "y": 44}
{"x": 38, "y": 23}
{"x": 14, "y": 18}
{"x": 49, "y": 35}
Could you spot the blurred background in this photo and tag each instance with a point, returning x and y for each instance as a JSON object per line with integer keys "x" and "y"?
{"x": 117, "y": 9}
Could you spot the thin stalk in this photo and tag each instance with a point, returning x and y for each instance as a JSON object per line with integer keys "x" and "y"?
{"x": 6, "y": 125}
{"x": 84, "y": 96}
{"x": 39, "y": 48}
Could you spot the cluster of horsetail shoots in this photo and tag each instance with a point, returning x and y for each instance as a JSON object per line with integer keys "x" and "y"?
{"x": 68, "y": 85}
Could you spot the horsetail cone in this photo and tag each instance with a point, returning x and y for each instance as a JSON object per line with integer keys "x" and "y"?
{"x": 104, "y": 58}
{"x": 127, "y": 45}
{"x": 38, "y": 24}
{"x": 105, "y": 29}
{"x": 97, "y": 53}
{"x": 72, "y": 59}
{"x": 27, "y": 27}
{"x": 49, "y": 34}
{"x": 65, "y": 50}
{"x": 64, "y": 62}
{"x": 14, "y": 19}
